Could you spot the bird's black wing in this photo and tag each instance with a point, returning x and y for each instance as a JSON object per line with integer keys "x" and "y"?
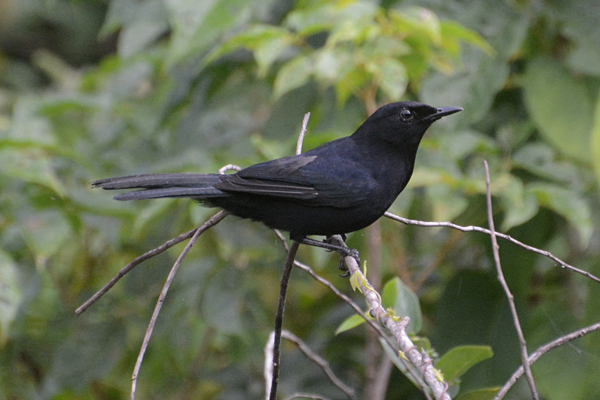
{"x": 306, "y": 177}
{"x": 277, "y": 178}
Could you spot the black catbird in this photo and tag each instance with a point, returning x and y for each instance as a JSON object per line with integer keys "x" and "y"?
{"x": 339, "y": 187}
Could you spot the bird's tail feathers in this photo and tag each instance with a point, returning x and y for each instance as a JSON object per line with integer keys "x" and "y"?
{"x": 155, "y": 186}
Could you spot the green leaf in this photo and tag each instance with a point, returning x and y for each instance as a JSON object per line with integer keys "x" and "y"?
{"x": 540, "y": 159}
{"x": 269, "y": 51}
{"x": 351, "y": 83}
{"x": 481, "y": 394}
{"x": 460, "y": 359}
{"x": 404, "y": 302}
{"x": 45, "y": 232}
{"x": 518, "y": 206}
{"x": 353, "y": 31}
{"x": 585, "y": 57}
{"x": 454, "y": 30}
{"x": 418, "y": 22}
{"x": 267, "y": 42}
{"x": 393, "y": 78}
{"x": 474, "y": 87}
{"x": 79, "y": 361}
{"x": 579, "y": 24}
{"x": 447, "y": 202}
{"x": 149, "y": 214}
{"x": 596, "y": 142}
{"x": 33, "y": 166}
{"x": 148, "y": 24}
{"x": 11, "y": 295}
{"x": 222, "y": 303}
{"x": 560, "y": 106}
{"x": 325, "y": 16}
{"x": 568, "y": 204}
{"x": 292, "y": 75}
{"x": 328, "y": 65}
{"x": 464, "y": 143}
{"x": 349, "y": 323}
{"x": 389, "y": 293}
{"x": 311, "y": 20}
{"x": 387, "y": 46}
{"x": 196, "y": 25}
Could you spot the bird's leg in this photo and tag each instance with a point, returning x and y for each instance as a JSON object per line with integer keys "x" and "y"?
{"x": 341, "y": 250}
{"x": 351, "y": 252}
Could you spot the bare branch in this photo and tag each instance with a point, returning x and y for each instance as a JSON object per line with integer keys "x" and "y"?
{"x": 229, "y": 167}
{"x": 543, "y": 350}
{"x": 509, "y": 296}
{"x": 268, "y": 367}
{"x": 302, "y": 133}
{"x": 416, "y": 378}
{"x": 138, "y": 260}
{"x": 341, "y": 295}
{"x": 472, "y": 228}
{"x": 211, "y": 222}
{"x": 285, "y": 280}
{"x": 348, "y": 391}
{"x": 397, "y": 328}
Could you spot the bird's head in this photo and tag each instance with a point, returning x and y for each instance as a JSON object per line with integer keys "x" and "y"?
{"x": 404, "y": 122}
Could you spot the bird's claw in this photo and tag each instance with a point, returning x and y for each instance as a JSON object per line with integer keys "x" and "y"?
{"x": 342, "y": 266}
{"x": 354, "y": 254}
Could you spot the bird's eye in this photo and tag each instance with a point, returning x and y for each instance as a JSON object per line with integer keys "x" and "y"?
{"x": 407, "y": 115}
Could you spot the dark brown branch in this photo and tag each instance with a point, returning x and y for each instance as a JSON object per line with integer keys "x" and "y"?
{"x": 285, "y": 279}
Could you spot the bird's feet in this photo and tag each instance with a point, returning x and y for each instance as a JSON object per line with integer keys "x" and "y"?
{"x": 342, "y": 266}
{"x": 343, "y": 251}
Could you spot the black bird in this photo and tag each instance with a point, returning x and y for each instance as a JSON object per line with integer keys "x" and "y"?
{"x": 336, "y": 188}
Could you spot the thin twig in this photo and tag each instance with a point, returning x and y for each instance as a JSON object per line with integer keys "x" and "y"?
{"x": 302, "y": 133}
{"x": 285, "y": 280}
{"x": 543, "y": 350}
{"x": 415, "y": 377}
{"x": 218, "y": 217}
{"x": 268, "y": 367}
{"x": 509, "y": 295}
{"x": 138, "y": 260}
{"x": 341, "y": 295}
{"x": 229, "y": 167}
{"x": 272, "y": 393}
{"x": 472, "y": 228}
{"x": 382, "y": 380}
{"x": 348, "y": 391}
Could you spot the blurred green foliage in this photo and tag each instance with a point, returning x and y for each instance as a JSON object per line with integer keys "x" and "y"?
{"x": 92, "y": 88}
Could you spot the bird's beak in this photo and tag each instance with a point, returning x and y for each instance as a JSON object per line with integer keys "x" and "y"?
{"x": 443, "y": 111}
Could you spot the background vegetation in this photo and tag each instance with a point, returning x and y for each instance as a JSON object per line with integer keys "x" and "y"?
{"x": 97, "y": 88}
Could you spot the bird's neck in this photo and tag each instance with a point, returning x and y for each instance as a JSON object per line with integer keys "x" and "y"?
{"x": 392, "y": 164}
